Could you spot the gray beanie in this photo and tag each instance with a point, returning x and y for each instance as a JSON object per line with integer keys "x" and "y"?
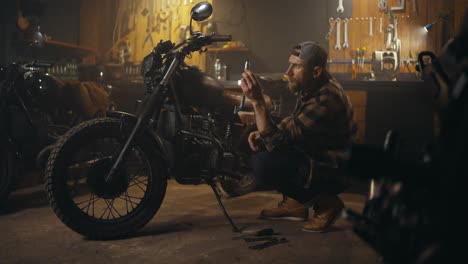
{"x": 312, "y": 53}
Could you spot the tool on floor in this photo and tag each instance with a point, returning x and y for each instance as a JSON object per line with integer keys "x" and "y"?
{"x": 259, "y": 233}
{"x": 269, "y": 244}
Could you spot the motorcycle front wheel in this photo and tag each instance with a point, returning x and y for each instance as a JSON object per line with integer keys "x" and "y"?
{"x": 76, "y": 186}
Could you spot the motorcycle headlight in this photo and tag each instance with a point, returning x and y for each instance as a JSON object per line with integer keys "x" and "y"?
{"x": 147, "y": 65}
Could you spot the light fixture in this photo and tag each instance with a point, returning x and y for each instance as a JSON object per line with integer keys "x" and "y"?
{"x": 430, "y": 25}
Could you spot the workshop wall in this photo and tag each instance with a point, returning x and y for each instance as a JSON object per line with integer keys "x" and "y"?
{"x": 134, "y": 27}
{"x": 266, "y": 29}
{"x": 411, "y": 21}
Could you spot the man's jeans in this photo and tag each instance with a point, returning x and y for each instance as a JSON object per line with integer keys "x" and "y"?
{"x": 287, "y": 171}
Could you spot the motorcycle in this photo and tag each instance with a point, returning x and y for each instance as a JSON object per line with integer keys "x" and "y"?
{"x": 107, "y": 177}
{"x": 27, "y": 125}
{"x": 32, "y": 117}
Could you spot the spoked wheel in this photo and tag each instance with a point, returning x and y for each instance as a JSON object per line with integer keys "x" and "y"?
{"x": 85, "y": 200}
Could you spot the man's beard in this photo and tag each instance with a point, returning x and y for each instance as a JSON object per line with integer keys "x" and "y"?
{"x": 296, "y": 87}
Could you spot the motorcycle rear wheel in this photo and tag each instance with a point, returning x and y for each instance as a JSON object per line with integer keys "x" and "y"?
{"x": 80, "y": 196}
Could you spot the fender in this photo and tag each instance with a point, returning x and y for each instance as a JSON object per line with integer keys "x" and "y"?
{"x": 165, "y": 148}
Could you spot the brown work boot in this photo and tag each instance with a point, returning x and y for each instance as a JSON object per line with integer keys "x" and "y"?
{"x": 328, "y": 209}
{"x": 288, "y": 209}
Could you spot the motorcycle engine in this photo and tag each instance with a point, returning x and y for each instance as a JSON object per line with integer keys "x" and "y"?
{"x": 197, "y": 150}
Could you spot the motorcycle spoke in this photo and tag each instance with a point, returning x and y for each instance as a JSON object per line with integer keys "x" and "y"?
{"x": 115, "y": 209}
{"x": 134, "y": 197}
{"x": 90, "y": 202}
{"x": 127, "y": 201}
{"x": 109, "y": 207}
{"x": 137, "y": 183}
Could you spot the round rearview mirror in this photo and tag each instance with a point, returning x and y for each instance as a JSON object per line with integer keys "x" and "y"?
{"x": 201, "y": 11}
{"x": 38, "y": 40}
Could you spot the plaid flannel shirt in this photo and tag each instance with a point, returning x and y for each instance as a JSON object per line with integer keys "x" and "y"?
{"x": 321, "y": 122}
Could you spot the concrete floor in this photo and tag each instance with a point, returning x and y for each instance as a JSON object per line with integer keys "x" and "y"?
{"x": 189, "y": 228}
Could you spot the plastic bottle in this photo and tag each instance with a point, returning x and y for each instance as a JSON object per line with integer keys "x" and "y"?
{"x": 217, "y": 69}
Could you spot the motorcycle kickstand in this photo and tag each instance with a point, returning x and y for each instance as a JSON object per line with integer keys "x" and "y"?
{"x": 218, "y": 198}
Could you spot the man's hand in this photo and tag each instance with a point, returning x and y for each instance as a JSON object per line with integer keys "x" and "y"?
{"x": 253, "y": 140}
{"x": 251, "y": 87}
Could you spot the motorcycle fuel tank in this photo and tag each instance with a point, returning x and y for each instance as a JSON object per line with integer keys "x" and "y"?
{"x": 41, "y": 87}
{"x": 195, "y": 88}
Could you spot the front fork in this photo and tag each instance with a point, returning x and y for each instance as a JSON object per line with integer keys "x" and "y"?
{"x": 151, "y": 108}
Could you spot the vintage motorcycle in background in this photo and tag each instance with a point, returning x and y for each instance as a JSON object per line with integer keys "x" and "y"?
{"x": 107, "y": 177}
{"x": 35, "y": 109}
{"x": 414, "y": 212}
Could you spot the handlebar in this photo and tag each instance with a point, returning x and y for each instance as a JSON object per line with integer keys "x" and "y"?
{"x": 220, "y": 38}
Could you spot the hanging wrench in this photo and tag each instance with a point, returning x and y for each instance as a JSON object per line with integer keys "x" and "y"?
{"x": 332, "y": 25}
{"x": 340, "y": 8}
{"x": 395, "y": 23}
{"x": 345, "y": 44}
{"x": 388, "y": 44}
{"x": 381, "y": 20}
{"x": 338, "y": 29}
{"x": 371, "y": 31}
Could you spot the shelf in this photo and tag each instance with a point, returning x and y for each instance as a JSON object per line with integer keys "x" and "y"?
{"x": 228, "y": 49}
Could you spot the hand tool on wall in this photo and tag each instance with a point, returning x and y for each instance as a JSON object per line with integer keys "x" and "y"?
{"x": 381, "y": 24}
{"x": 395, "y": 23}
{"x": 169, "y": 24}
{"x": 340, "y": 8}
{"x": 345, "y": 43}
{"x": 358, "y": 55}
{"x": 331, "y": 23}
{"x": 363, "y": 56}
{"x": 353, "y": 70}
{"x": 371, "y": 31}
{"x": 338, "y": 34}
{"x": 149, "y": 24}
{"x": 400, "y": 7}
{"x": 388, "y": 43}
{"x": 382, "y": 5}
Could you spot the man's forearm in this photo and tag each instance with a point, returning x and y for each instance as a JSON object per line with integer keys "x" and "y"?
{"x": 262, "y": 115}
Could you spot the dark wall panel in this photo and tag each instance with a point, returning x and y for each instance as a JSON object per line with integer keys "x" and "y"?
{"x": 269, "y": 28}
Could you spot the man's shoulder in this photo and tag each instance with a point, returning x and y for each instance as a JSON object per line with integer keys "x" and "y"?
{"x": 333, "y": 85}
